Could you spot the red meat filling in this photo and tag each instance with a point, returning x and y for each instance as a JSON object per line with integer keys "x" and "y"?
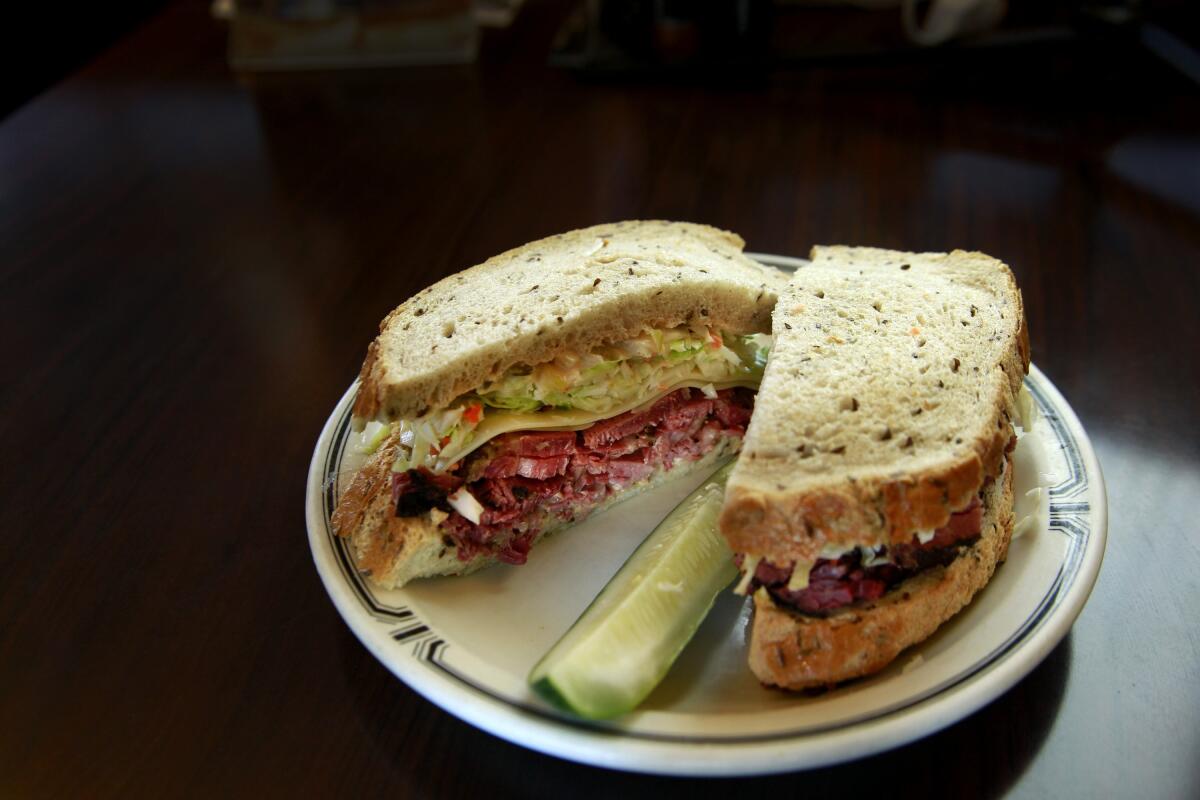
{"x": 833, "y": 584}
{"x": 524, "y": 480}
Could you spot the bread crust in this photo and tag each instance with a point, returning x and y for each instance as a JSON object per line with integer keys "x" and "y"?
{"x": 767, "y": 515}
{"x": 570, "y": 292}
{"x": 794, "y": 651}
{"x": 391, "y": 550}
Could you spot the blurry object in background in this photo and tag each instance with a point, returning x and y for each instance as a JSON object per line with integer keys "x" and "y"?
{"x": 931, "y": 22}
{"x": 624, "y": 35}
{"x": 322, "y": 34}
{"x": 948, "y": 19}
{"x": 496, "y": 13}
{"x": 1172, "y": 49}
{"x": 631, "y": 36}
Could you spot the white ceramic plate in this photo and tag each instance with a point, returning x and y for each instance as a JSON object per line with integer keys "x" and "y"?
{"x": 467, "y": 643}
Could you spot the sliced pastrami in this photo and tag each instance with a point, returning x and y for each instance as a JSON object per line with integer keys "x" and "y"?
{"x": 836, "y": 583}
{"x": 527, "y": 467}
{"x": 525, "y": 479}
{"x": 544, "y": 444}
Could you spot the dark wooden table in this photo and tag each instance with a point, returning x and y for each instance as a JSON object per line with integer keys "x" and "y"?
{"x": 191, "y": 267}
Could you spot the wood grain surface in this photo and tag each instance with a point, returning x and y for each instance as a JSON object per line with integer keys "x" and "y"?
{"x": 191, "y": 267}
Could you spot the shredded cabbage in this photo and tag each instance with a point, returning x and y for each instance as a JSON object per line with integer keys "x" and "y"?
{"x": 612, "y": 376}
{"x": 433, "y": 440}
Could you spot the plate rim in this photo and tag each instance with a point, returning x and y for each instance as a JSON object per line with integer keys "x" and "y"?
{"x": 611, "y": 748}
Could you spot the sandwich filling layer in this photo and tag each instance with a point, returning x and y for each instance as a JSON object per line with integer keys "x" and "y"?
{"x": 865, "y": 574}
{"x": 502, "y": 495}
{"x": 540, "y": 446}
{"x": 575, "y": 391}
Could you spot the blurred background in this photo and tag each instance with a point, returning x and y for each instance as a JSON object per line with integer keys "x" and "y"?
{"x": 377, "y": 145}
{"x": 613, "y": 38}
{"x": 207, "y": 207}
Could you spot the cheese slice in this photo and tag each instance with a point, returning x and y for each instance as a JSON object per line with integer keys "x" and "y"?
{"x": 749, "y": 567}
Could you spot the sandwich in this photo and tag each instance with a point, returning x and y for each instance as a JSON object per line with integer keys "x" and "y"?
{"x": 522, "y": 395}
{"x": 873, "y": 495}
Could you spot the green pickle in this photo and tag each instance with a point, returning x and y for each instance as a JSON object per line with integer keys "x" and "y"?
{"x": 625, "y": 642}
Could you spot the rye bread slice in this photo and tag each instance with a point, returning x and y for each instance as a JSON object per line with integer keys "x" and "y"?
{"x": 887, "y": 400}
{"x": 794, "y": 651}
{"x": 566, "y": 293}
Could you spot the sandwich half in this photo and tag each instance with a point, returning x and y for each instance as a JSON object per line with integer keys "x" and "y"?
{"x": 521, "y": 395}
{"x": 873, "y": 496}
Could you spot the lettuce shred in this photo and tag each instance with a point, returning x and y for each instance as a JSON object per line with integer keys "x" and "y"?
{"x": 616, "y": 375}
{"x": 598, "y": 382}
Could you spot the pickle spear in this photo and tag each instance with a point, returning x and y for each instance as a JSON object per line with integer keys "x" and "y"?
{"x": 624, "y": 643}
